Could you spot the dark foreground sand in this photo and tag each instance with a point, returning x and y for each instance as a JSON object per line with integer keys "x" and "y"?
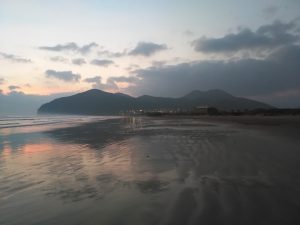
{"x": 164, "y": 171}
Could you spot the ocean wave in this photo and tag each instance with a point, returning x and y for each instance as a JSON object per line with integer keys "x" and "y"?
{"x": 13, "y": 122}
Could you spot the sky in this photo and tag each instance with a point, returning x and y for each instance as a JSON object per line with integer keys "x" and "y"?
{"x": 159, "y": 47}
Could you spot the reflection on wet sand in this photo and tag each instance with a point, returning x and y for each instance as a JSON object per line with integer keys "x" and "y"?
{"x": 149, "y": 171}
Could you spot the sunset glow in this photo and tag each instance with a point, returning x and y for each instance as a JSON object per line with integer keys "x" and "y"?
{"x": 140, "y": 47}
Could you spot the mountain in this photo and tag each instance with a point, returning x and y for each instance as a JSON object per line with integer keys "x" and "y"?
{"x": 97, "y": 102}
{"x": 215, "y": 93}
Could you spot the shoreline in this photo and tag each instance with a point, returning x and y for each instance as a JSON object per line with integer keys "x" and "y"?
{"x": 243, "y": 119}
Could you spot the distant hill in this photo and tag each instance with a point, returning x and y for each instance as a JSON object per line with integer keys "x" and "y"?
{"x": 97, "y": 102}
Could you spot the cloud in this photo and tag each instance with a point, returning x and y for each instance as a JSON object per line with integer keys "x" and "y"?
{"x": 96, "y": 82}
{"x": 96, "y": 79}
{"x": 142, "y": 48}
{"x": 188, "y": 33}
{"x": 147, "y": 49}
{"x": 78, "y": 61}
{"x": 1, "y": 80}
{"x": 72, "y": 46}
{"x": 61, "y": 47}
{"x": 111, "y": 82}
{"x": 270, "y": 10}
{"x": 13, "y": 87}
{"x": 14, "y": 58}
{"x": 286, "y": 55}
{"x": 158, "y": 63}
{"x": 110, "y": 54}
{"x": 279, "y": 72}
{"x": 59, "y": 59}
{"x": 130, "y": 79}
{"x": 132, "y": 67}
{"x": 102, "y": 62}
{"x": 87, "y": 48}
{"x": 63, "y": 75}
{"x": 285, "y": 99}
{"x": 19, "y": 104}
{"x": 266, "y": 37}
{"x": 117, "y": 83}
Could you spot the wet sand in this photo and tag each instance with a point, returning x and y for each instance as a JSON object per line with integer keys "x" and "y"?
{"x": 165, "y": 171}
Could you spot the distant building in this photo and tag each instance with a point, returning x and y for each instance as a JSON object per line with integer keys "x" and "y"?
{"x": 205, "y": 110}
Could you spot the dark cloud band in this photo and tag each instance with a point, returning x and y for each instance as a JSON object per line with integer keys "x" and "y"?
{"x": 245, "y": 77}
{"x": 72, "y": 46}
{"x": 102, "y": 62}
{"x": 147, "y": 49}
{"x": 269, "y": 37}
{"x": 14, "y": 58}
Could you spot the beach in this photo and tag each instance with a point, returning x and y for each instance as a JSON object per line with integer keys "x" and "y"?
{"x": 152, "y": 170}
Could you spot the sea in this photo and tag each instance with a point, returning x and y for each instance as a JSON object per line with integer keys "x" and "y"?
{"x": 23, "y": 121}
